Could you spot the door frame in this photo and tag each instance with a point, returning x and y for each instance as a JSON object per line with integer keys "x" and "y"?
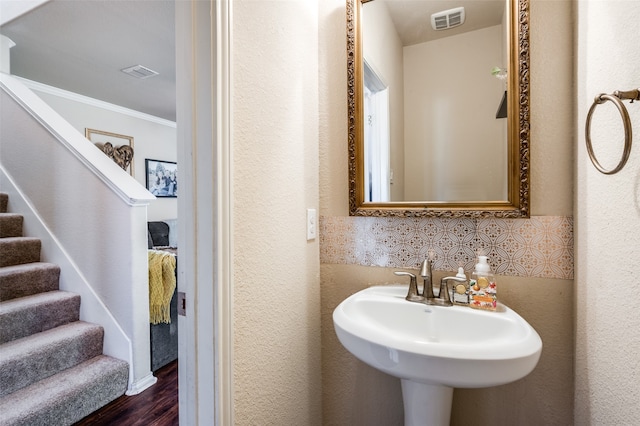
{"x": 205, "y": 263}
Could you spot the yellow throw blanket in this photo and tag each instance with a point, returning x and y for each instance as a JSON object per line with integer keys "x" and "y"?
{"x": 162, "y": 283}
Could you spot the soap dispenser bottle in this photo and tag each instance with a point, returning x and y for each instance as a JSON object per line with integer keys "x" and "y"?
{"x": 460, "y": 294}
{"x": 482, "y": 286}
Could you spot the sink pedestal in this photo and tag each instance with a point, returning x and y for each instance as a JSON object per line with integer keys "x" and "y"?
{"x": 424, "y": 404}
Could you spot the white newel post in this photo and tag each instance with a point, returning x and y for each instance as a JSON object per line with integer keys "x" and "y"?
{"x": 5, "y": 54}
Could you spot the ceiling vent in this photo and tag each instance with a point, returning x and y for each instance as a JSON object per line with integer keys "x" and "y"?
{"x": 138, "y": 71}
{"x": 447, "y": 19}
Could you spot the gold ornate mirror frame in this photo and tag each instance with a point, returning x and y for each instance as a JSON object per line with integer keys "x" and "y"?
{"x": 517, "y": 205}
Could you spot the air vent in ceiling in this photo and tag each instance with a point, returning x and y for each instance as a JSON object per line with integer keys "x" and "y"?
{"x": 138, "y": 71}
{"x": 447, "y": 19}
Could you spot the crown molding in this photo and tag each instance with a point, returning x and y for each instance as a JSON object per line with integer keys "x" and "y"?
{"x": 51, "y": 90}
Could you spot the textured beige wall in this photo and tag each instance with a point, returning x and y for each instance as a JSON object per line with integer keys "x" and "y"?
{"x": 276, "y": 271}
{"x": 332, "y": 63}
{"x": 607, "y": 219}
{"x": 552, "y": 103}
{"x": 356, "y": 394}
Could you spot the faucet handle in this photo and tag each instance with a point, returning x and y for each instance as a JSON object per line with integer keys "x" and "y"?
{"x": 444, "y": 292}
{"x": 412, "y": 295}
{"x": 444, "y": 289}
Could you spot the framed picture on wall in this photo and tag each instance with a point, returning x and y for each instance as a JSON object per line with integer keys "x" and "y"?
{"x": 117, "y": 147}
{"x": 162, "y": 177}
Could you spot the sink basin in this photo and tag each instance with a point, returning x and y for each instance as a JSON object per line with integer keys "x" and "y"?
{"x": 433, "y": 348}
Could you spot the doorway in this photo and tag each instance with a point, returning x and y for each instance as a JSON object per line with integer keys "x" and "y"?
{"x": 377, "y": 170}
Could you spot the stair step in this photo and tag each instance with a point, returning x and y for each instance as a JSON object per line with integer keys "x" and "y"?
{"x": 36, "y": 357}
{"x": 10, "y": 225}
{"x": 19, "y": 250}
{"x": 27, "y": 279}
{"x": 4, "y": 200}
{"x": 69, "y": 396}
{"x": 32, "y": 314}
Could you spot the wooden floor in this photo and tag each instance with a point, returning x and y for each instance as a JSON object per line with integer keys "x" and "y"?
{"x": 156, "y": 406}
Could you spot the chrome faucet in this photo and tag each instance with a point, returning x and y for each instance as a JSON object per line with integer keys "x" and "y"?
{"x": 413, "y": 295}
{"x": 444, "y": 299}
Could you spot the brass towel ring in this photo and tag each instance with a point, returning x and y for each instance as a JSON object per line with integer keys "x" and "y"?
{"x": 616, "y": 98}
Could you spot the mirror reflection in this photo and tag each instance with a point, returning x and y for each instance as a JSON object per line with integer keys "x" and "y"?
{"x": 431, "y": 98}
{"x": 433, "y": 127}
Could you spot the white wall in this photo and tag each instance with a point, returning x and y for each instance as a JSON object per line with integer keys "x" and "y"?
{"x": 383, "y": 51}
{"x": 447, "y": 79}
{"x": 607, "y": 219}
{"x": 10, "y": 10}
{"x": 275, "y": 160}
{"x": 153, "y": 137}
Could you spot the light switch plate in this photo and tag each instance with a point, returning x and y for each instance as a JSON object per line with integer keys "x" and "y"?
{"x": 311, "y": 224}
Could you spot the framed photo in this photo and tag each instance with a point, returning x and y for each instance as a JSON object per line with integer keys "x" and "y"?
{"x": 117, "y": 147}
{"x": 162, "y": 177}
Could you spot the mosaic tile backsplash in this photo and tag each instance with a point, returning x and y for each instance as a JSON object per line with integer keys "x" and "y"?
{"x": 541, "y": 246}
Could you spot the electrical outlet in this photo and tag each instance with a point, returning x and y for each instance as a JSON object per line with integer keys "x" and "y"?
{"x": 311, "y": 224}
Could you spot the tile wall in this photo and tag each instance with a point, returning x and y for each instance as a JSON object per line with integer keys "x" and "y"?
{"x": 541, "y": 246}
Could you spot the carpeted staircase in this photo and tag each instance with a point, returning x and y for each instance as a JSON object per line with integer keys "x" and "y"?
{"x": 52, "y": 369}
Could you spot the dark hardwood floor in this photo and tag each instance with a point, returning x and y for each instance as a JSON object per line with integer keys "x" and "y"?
{"x": 156, "y": 406}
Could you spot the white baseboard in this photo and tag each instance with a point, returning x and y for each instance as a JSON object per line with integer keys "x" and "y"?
{"x": 141, "y": 385}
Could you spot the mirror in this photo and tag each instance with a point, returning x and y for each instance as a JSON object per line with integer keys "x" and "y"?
{"x": 423, "y": 140}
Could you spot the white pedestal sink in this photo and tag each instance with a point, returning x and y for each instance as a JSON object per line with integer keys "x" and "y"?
{"x": 434, "y": 349}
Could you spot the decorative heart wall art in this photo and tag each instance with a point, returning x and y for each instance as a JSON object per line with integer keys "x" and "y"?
{"x": 122, "y": 155}
{"x": 117, "y": 147}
